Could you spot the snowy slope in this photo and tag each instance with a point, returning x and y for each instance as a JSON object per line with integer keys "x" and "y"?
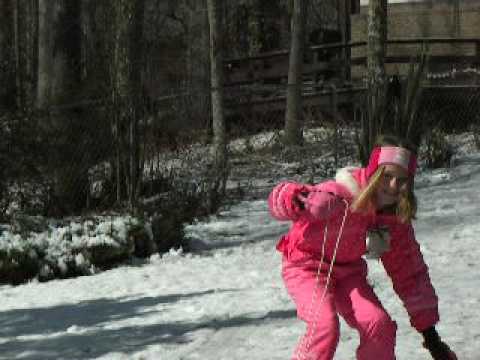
{"x": 228, "y": 302}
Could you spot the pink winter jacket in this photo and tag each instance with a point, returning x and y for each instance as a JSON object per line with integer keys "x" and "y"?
{"x": 403, "y": 262}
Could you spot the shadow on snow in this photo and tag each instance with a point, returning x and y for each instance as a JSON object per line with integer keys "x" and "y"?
{"x": 62, "y": 344}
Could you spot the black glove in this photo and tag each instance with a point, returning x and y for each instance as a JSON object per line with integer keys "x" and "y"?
{"x": 437, "y": 348}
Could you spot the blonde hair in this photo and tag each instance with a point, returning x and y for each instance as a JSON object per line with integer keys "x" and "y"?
{"x": 405, "y": 209}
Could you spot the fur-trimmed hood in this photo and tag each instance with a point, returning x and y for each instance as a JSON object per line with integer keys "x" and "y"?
{"x": 345, "y": 177}
{"x": 348, "y": 183}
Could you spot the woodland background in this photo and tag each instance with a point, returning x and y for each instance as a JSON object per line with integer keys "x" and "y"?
{"x": 125, "y": 107}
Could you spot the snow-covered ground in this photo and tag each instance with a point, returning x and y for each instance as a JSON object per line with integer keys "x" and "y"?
{"x": 227, "y": 301}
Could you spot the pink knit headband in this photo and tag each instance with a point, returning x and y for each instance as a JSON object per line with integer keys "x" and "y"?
{"x": 392, "y": 155}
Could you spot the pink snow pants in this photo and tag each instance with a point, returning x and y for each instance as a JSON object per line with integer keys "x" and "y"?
{"x": 349, "y": 295}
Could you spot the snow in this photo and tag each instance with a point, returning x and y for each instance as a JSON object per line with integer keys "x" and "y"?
{"x": 226, "y": 300}
{"x": 59, "y": 244}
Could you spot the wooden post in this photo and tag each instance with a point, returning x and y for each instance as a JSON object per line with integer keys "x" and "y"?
{"x": 376, "y": 46}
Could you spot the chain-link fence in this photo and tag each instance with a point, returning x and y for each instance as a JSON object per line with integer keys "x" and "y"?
{"x": 50, "y": 158}
{"x": 69, "y": 159}
{"x": 446, "y": 103}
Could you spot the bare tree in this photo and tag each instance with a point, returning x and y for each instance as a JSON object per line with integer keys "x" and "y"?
{"x": 344, "y": 8}
{"x": 218, "y": 177}
{"x": 7, "y": 55}
{"x": 216, "y": 74}
{"x": 46, "y": 73}
{"x": 58, "y": 75}
{"x": 293, "y": 113}
{"x": 377, "y": 35}
{"x": 197, "y": 41}
{"x": 26, "y": 30}
{"x": 125, "y": 81}
{"x": 95, "y": 20}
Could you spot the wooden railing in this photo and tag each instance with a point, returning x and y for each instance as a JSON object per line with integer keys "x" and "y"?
{"x": 333, "y": 62}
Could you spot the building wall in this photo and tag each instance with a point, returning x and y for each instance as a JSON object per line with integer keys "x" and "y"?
{"x": 437, "y": 18}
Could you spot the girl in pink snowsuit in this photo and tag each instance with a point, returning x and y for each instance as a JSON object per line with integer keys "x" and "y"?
{"x": 364, "y": 211}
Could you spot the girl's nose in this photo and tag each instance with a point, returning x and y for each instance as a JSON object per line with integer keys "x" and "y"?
{"x": 393, "y": 185}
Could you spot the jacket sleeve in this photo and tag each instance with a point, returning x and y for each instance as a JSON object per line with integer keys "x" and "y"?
{"x": 405, "y": 265}
{"x": 319, "y": 205}
{"x": 282, "y": 201}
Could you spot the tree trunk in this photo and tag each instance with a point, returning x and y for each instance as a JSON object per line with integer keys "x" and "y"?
{"x": 87, "y": 23}
{"x": 344, "y": 11}
{"x": 198, "y": 43}
{"x": 95, "y": 23}
{"x": 136, "y": 53}
{"x": 255, "y": 28}
{"x": 59, "y": 52}
{"x": 216, "y": 65}
{"x": 26, "y": 53}
{"x": 48, "y": 16}
{"x": 120, "y": 64}
{"x": 293, "y": 114}
{"x": 7, "y": 55}
{"x": 377, "y": 36}
{"x": 198, "y": 63}
{"x": 126, "y": 65}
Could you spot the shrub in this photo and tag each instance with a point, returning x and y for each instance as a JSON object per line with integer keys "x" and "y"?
{"x": 397, "y": 110}
{"x": 79, "y": 246}
{"x": 475, "y": 129}
{"x": 191, "y": 189}
{"x": 438, "y": 152}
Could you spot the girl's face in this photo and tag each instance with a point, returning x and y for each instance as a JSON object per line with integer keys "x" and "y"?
{"x": 393, "y": 183}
